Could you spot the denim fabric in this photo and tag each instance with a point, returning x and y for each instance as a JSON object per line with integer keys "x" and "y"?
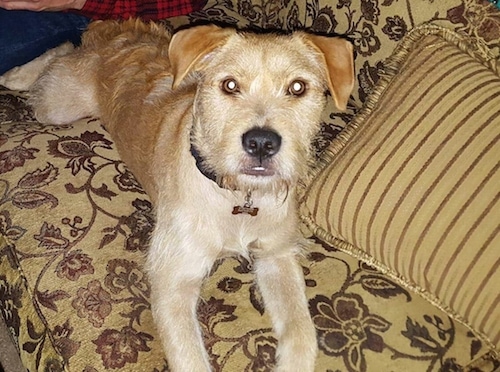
{"x": 25, "y": 35}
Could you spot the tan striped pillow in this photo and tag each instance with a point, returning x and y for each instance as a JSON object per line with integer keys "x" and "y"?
{"x": 412, "y": 185}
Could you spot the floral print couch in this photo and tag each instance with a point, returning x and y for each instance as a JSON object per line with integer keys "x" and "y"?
{"x": 75, "y": 226}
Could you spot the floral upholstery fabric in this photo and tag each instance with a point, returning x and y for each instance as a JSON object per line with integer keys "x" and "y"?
{"x": 75, "y": 225}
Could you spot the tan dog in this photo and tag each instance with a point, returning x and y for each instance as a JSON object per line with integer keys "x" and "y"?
{"x": 217, "y": 125}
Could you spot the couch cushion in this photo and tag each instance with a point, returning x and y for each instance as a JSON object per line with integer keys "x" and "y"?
{"x": 412, "y": 185}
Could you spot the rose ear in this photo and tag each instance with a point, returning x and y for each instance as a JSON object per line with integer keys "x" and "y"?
{"x": 339, "y": 62}
{"x": 189, "y": 46}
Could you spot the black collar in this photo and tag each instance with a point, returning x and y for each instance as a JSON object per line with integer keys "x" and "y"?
{"x": 247, "y": 207}
{"x": 201, "y": 167}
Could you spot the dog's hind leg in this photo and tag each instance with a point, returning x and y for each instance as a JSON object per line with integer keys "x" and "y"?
{"x": 281, "y": 283}
{"x": 23, "y": 77}
{"x": 66, "y": 90}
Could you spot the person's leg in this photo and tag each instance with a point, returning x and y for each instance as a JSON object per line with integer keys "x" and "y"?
{"x": 25, "y": 35}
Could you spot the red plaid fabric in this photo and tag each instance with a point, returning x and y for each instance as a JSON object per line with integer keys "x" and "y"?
{"x": 144, "y": 9}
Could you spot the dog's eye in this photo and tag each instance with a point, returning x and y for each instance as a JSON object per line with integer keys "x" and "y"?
{"x": 297, "y": 88}
{"x": 230, "y": 86}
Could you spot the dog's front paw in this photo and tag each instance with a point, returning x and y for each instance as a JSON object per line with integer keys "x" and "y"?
{"x": 298, "y": 349}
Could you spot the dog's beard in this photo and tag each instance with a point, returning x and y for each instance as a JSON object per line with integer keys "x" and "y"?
{"x": 278, "y": 178}
{"x": 241, "y": 180}
{"x": 263, "y": 184}
{"x": 233, "y": 169}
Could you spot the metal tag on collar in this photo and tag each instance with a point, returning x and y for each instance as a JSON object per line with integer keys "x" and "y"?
{"x": 247, "y": 207}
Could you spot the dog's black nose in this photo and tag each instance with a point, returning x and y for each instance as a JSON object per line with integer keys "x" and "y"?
{"x": 262, "y": 143}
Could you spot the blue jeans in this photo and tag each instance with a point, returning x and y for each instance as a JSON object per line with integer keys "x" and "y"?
{"x": 25, "y": 35}
{"x": 496, "y": 2}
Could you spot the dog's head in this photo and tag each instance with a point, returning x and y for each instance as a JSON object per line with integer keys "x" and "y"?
{"x": 259, "y": 99}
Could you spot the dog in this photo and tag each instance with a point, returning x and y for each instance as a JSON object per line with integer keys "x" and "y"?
{"x": 217, "y": 125}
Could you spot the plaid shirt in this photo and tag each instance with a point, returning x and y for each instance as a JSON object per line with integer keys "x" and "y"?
{"x": 144, "y": 9}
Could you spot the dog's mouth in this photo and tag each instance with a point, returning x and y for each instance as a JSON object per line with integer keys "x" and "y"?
{"x": 258, "y": 168}
{"x": 259, "y": 172}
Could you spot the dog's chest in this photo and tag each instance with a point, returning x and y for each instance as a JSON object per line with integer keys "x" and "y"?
{"x": 242, "y": 234}
{"x": 248, "y": 230}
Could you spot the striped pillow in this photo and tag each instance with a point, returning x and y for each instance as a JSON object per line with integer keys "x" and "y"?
{"x": 412, "y": 185}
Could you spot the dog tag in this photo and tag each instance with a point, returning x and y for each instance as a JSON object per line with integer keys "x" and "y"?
{"x": 237, "y": 209}
{"x": 247, "y": 207}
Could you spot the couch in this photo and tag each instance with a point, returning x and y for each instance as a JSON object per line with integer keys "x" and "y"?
{"x": 401, "y": 210}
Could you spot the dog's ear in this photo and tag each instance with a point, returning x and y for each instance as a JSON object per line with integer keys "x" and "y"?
{"x": 189, "y": 46}
{"x": 339, "y": 62}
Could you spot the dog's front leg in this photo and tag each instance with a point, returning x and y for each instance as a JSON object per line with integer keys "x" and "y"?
{"x": 176, "y": 272}
{"x": 281, "y": 283}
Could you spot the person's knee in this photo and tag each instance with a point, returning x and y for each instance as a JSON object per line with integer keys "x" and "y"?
{"x": 20, "y": 44}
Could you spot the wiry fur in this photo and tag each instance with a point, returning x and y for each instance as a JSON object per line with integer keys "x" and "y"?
{"x": 158, "y": 96}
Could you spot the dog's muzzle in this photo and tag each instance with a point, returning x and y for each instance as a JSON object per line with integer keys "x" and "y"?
{"x": 261, "y": 144}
